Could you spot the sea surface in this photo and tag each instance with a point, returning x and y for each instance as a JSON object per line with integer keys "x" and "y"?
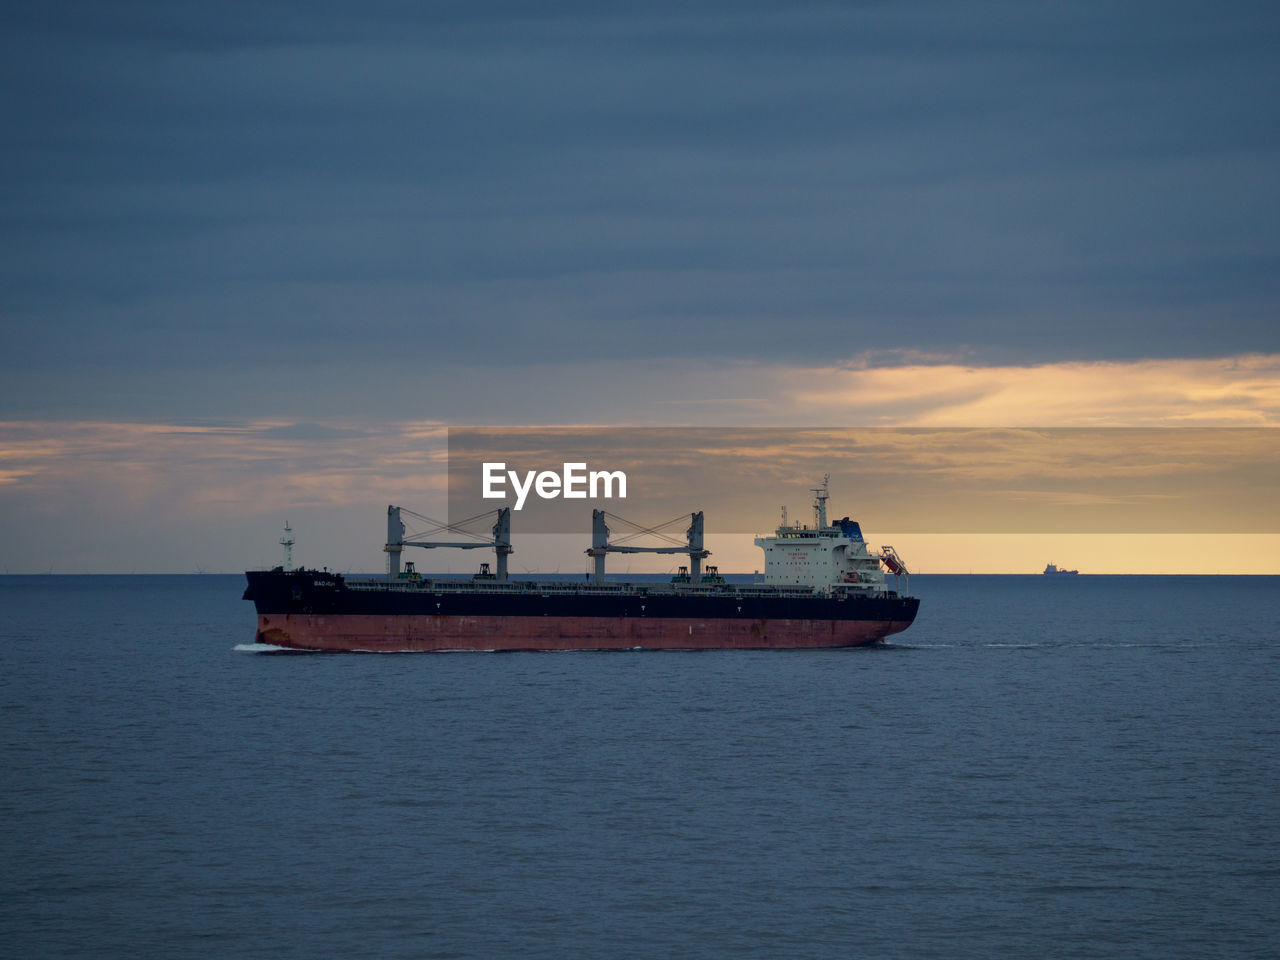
{"x": 1072, "y": 767}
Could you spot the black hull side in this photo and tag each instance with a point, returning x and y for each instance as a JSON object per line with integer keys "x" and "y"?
{"x": 314, "y": 593}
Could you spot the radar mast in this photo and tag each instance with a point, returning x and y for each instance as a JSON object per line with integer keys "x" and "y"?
{"x": 287, "y": 542}
{"x": 820, "y": 496}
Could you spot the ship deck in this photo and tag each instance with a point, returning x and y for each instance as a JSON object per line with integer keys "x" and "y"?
{"x": 548, "y": 588}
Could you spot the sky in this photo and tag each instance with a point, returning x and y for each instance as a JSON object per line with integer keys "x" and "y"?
{"x": 257, "y": 259}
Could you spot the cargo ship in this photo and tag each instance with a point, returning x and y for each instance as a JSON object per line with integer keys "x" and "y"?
{"x": 822, "y": 587}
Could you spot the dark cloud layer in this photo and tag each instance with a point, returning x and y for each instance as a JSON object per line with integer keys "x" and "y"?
{"x": 413, "y": 185}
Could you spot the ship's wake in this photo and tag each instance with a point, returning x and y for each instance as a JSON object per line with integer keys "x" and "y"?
{"x": 266, "y": 648}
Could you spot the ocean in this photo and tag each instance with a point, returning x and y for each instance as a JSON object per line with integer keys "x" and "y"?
{"x": 1070, "y": 767}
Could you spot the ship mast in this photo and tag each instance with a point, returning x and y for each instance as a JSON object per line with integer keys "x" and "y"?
{"x": 820, "y": 496}
{"x": 287, "y": 542}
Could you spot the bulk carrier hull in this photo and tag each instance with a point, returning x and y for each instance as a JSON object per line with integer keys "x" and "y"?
{"x": 320, "y": 611}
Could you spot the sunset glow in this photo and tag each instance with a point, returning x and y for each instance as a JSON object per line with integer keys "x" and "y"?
{"x": 150, "y": 478}
{"x": 1228, "y": 391}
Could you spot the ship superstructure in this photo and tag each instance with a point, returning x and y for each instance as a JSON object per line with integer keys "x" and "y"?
{"x": 833, "y": 559}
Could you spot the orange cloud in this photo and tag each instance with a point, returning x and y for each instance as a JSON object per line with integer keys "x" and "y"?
{"x": 68, "y": 482}
{"x": 1227, "y": 391}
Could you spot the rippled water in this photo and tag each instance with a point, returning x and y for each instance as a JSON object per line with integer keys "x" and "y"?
{"x": 1071, "y": 768}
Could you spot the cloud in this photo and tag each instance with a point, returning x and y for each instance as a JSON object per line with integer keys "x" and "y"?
{"x": 112, "y": 495}
{"x": 104, "y": 496}
{"x": 906, "y": 479}
{"x": 1226, "y": 391}
{"x": 256, "y": 467}
{"x": 310, "y": 431}
{"x": 256, "y": 190}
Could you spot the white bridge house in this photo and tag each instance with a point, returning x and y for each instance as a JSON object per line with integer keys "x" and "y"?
{"x": 833, "y": 559}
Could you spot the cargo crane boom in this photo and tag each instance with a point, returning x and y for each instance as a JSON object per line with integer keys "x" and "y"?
{"x": 601, "y": 547}
{"x": 500, "y": 543}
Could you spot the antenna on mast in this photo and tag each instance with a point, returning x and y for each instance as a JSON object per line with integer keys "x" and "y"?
{"x": 287, "y": 542}
{"x": 820, "y": 496}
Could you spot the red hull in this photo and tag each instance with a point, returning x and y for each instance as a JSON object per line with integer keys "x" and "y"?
{"x": 395, "y": 634}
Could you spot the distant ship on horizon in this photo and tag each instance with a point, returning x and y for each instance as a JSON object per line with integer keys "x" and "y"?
{"x": 1051, "y": 570}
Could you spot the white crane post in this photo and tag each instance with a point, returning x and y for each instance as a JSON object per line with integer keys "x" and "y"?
{"x": 695, "y": 548}
{"x": 395, "y": 542}
{"x": 502, "y": 540}
{"x": 599, "y": 543}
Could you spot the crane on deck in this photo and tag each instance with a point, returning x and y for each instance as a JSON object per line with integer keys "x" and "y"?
{"x": 601, "y": 547}
{"x": 499, "y": 542}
